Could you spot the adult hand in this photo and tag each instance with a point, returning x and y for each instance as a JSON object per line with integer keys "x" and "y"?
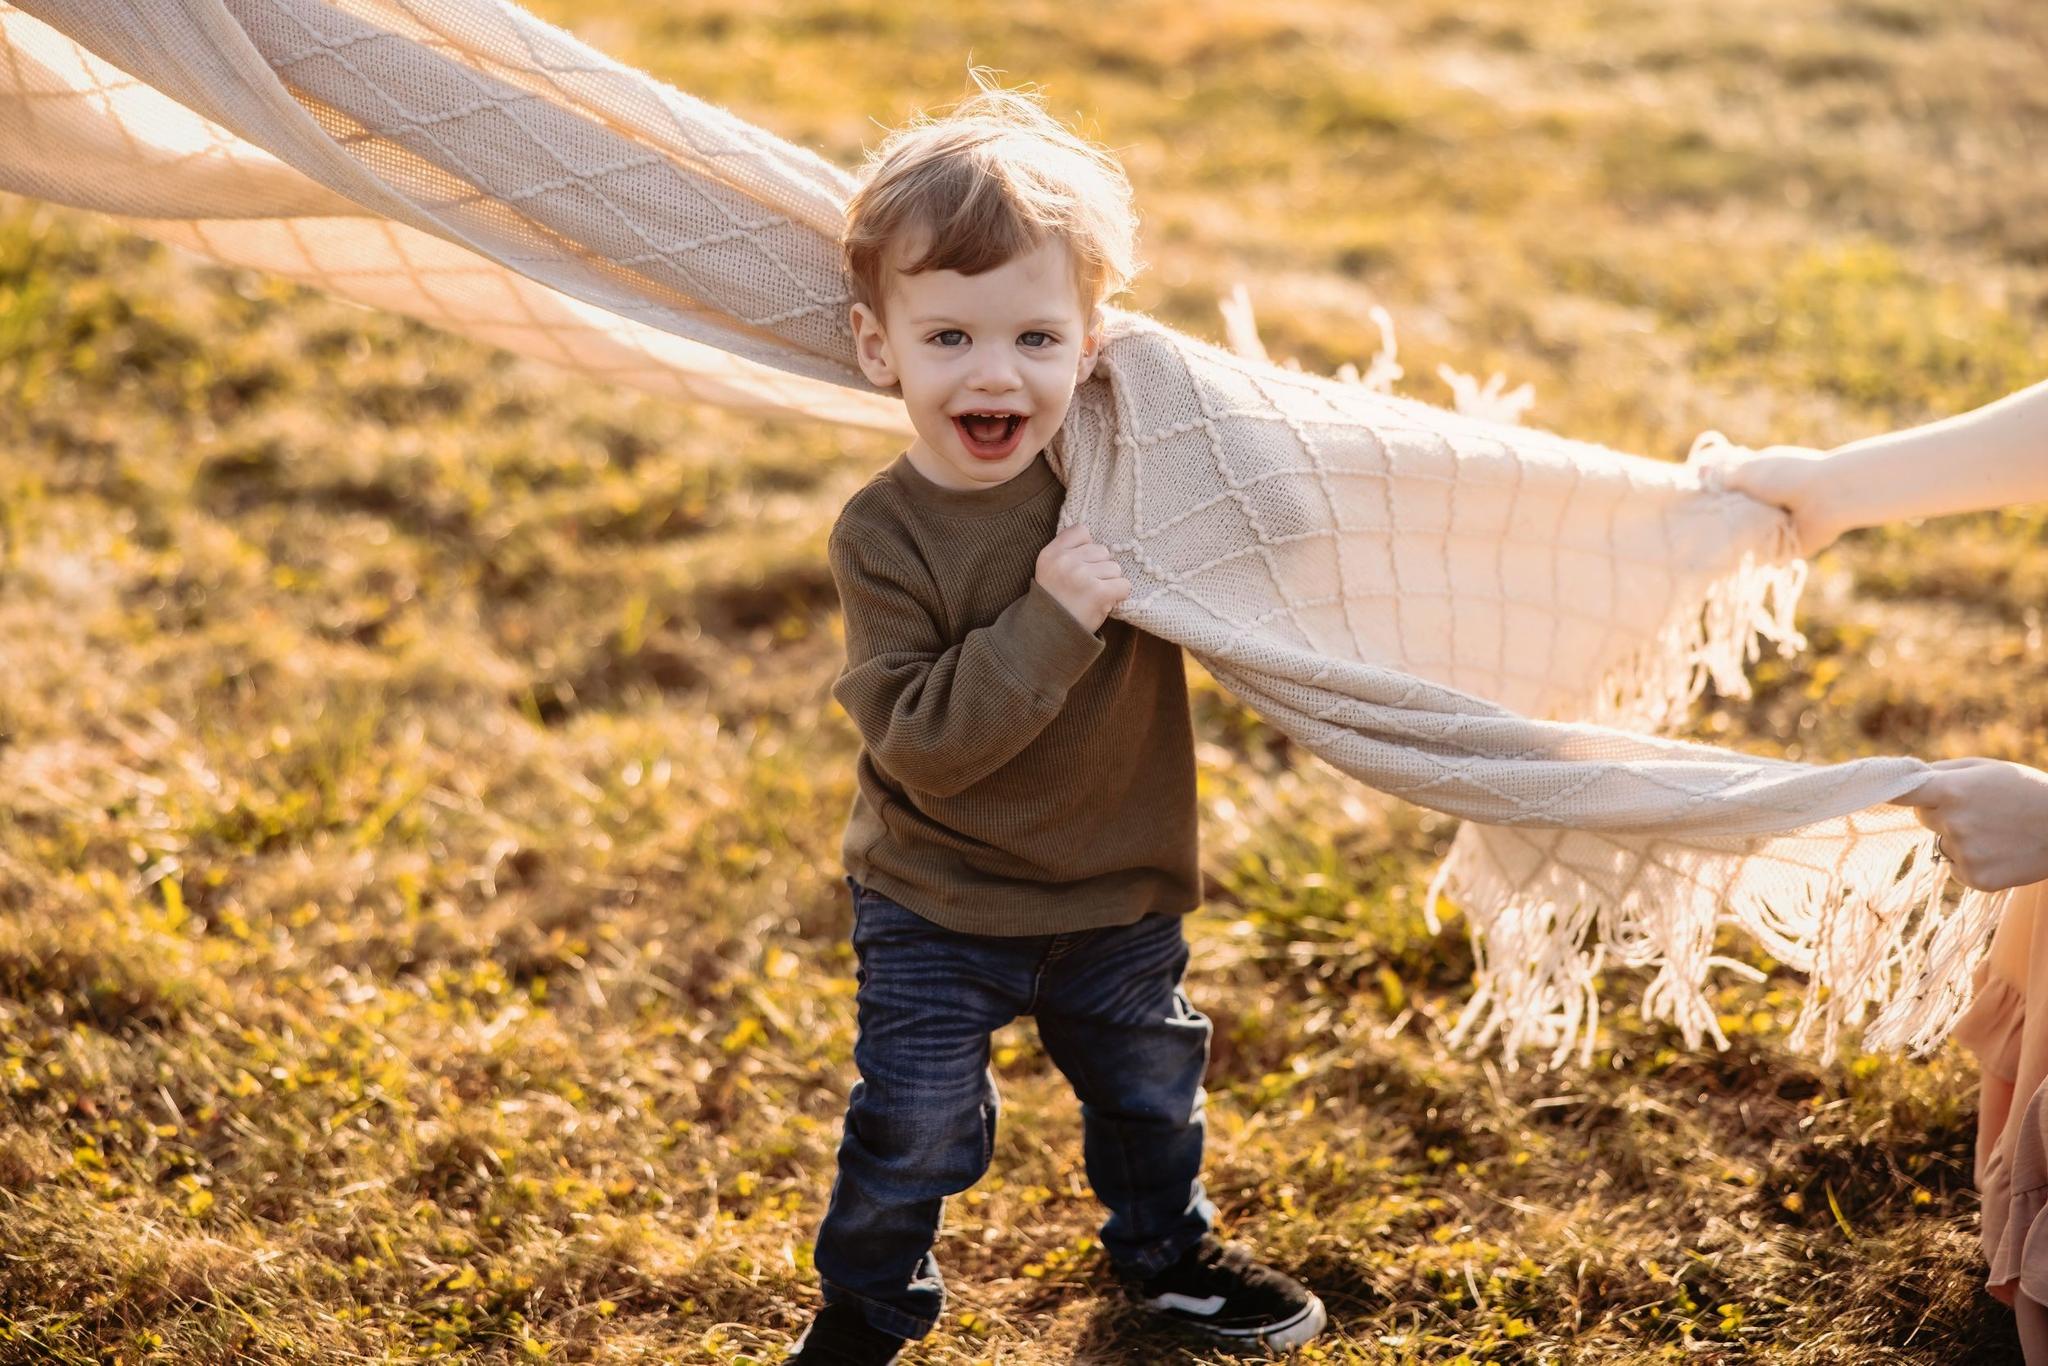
{"x": 1992, "y": 818}
{"x": 1082, "y": 576}
{"x": 1797, "y": 479}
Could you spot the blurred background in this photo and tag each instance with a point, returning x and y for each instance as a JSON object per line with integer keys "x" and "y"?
{"x": 420, "y": 920}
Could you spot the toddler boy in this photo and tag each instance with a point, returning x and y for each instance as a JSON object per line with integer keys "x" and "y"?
{"x": 1023, "y": 840}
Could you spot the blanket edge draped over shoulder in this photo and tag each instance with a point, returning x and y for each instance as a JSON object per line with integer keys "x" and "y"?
{"x": 1489, "y": 620}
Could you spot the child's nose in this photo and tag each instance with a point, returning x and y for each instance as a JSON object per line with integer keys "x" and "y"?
{"x": 994, "y": 373}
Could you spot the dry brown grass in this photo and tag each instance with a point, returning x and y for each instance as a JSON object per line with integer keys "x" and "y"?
{"x": 419, "y": 920}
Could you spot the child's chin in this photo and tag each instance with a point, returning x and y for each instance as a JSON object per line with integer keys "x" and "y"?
{"x": 966, "y": 458}
{"x": 1012, "y": 463}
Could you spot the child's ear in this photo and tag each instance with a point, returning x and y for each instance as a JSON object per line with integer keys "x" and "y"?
{"x": 871, "y": 347}
{"x": 1091, "y": 347}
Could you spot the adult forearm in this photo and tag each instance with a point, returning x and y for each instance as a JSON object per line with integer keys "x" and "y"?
{"x": 1986, "y": 458}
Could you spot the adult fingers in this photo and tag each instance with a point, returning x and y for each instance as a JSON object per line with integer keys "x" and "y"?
{"x": 1977, "y": 873}
{"x": 1931, "y": 793}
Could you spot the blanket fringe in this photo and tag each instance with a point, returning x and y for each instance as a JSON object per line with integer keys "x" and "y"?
{"x": 1877, "y": 938}
{"x": 1882, "y": 934}
{"x": 1655, "y": 688}
{"x": 1657, "y": 685}
{"x": 1241, "y": 334}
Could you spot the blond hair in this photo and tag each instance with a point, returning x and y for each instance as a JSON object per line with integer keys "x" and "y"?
{"x": 986, "y": 183}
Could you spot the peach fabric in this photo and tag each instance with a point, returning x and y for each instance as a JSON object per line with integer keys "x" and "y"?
{"x": 2010, "y": 1040}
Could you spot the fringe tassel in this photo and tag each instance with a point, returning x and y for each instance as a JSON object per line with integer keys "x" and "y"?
{"x": 1241, "y": 334}
{"x": 1876, "y": 939}
{"x": 1655, "y": 688}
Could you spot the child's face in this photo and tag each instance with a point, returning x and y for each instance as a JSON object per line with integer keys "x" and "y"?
{"x": 1012, "y": 340}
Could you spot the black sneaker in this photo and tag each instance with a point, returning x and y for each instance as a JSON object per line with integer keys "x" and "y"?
{"x": 842, "y": 1336}
{"x": 1217, "y": 1289}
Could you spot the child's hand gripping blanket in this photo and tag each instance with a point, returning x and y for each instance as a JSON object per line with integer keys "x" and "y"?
{"x": 1480, "y": 618}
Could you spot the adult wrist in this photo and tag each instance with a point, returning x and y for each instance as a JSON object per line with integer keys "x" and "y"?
{"x": 1856, "y": 492}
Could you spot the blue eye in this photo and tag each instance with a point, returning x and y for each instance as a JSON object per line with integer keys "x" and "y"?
{"x": 1050, "y": 340}
{"x": 949, "y": 332}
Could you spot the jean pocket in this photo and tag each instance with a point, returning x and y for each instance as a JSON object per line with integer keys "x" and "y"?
{"x": 876, "y": 917}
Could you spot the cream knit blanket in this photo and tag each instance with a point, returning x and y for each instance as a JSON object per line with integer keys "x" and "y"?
{"x": 1487, "y": 620}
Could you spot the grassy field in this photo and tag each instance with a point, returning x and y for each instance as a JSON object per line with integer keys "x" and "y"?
{"x": 420, "y": 921}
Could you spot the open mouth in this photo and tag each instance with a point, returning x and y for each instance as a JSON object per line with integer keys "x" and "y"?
{"x": 989, "y": 436}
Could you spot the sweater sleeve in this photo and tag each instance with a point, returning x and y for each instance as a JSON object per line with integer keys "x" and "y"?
{"x": 940, "y": 717}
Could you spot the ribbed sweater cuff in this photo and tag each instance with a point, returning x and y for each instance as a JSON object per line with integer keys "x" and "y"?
{"x": 1043, "y": 645}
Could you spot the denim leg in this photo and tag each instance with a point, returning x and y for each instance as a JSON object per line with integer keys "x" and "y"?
{"x": 920, "y": 1124}
{"x": 1115, "y": 1021}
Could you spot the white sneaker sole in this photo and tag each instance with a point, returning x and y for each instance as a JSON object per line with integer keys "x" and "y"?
{"x": 1278, "y": 1337}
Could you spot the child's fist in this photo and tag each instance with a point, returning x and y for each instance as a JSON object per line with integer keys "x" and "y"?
{"x": 1082, "y": 576}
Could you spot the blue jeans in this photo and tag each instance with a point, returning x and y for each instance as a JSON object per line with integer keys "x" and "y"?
{"x": 921, "y": 1122}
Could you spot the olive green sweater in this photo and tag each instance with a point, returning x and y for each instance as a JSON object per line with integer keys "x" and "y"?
{"x": 1018, "y": 774}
